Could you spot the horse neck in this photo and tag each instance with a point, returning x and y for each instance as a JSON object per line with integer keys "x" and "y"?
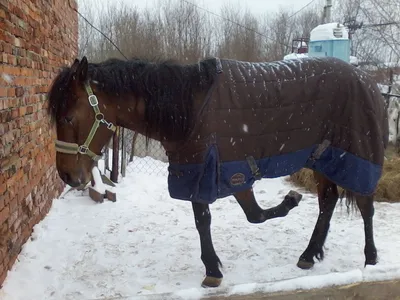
{"x": 130, "y": 115}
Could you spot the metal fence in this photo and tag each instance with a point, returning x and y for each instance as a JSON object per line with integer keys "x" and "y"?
{"x": 131, "y": 151}
{"x": 133, "y": 146}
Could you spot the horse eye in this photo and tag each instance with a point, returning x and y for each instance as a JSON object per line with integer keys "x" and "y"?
{"x": 68, "y": 119}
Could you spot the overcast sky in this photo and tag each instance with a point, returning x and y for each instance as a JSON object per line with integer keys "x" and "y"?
{"x": 255, "y": 6}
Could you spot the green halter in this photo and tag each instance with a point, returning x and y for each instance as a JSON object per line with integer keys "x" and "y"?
{"x": 73, "y": 148}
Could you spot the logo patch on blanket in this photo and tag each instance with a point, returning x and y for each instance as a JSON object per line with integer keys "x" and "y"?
{"x": 237, "y": 179}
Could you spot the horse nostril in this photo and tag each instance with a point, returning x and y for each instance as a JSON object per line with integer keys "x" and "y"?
{"x": 66, "y": 177}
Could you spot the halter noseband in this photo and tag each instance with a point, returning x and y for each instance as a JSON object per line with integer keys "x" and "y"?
{"x": 73, "y": 148}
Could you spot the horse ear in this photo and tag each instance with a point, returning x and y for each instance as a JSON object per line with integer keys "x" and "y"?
{"x": 73, "y": 69}
{"x": 74, "y": 66}
{"x": 82, "y": 69}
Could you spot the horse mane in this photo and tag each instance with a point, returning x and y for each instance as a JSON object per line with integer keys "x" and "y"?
{"x": 58, "y": 95}
{"x": 167, "y": 87}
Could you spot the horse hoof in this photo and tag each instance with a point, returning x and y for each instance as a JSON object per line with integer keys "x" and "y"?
{"x": 291, "y": 200}
{"x": 295, "y": 196}
{"x": 370, "y": 262}
{"x": 305, "y": 265}
{"x": 211, "y": 282}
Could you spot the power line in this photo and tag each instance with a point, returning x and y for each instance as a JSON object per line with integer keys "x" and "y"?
{"x": 354, "y": 25}
{"x": 98, "y": 30}
{"x": 236, "y": 23}
{"x": 380, "y": 24}
{"x": 301, "y": 9}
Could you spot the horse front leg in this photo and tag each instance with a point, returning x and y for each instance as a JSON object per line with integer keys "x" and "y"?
{"x": 210, "y": 259}
{"x": 255, "y": 214}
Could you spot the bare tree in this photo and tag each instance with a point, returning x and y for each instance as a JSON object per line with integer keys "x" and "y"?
{"x": 186, "y": 35}
{"x": 238, "y": 35}
{"x": 376, "y": 39}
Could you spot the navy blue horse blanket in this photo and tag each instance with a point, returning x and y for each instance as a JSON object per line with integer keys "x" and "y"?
{"x": 266, "y": 120}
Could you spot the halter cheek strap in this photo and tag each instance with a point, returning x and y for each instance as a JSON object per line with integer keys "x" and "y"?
{"x": 73, "y": 148}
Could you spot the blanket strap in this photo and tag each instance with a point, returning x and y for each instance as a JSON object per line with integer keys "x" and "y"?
{"x": 253, "y": 166}
{"x": 320, "y": 149}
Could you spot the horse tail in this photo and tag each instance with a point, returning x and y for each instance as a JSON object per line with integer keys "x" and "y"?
{"x": 351, "y": 202}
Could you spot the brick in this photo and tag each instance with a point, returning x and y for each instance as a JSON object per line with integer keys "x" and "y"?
{"x": 3, "y": 275}
{"x": 20, "y": 81}
{"x": 14, "y": 113}
{"x": 5, "y": 116}
{"x": 17, "y": 42}
{"x": 12, "y": 59}
{"x": 21, "y": 61}
{"x": 19, "y": 32}
{"x": 22, "y": 111}
{"x": 6, "y": 197}
{"x": 12, "y": 218}
{"x": 7, "y": 37}
{"x": 7, "y": 48}
{"x": 2, "y": 203}
{"x": 4, "y": 127}
{"x": 30, "y": 109}
{"x": 11, "y": 92}
{"x": 3, "y": 249}
{"x": 4, "y": 213}
{"x": 3, "y": 189}
{"x": 13, "y": 204}
{"x": 19, "y": 91}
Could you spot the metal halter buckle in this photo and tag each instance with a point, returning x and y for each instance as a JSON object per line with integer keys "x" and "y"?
{"x": 83, "y": 149}
{"x": 100, "y": 117}
{"x": 93, "y": 100}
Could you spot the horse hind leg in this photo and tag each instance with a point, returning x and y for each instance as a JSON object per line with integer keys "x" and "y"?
{"x": 327, "y": 198}
{"x": 255, "y": 214}
{"x": 366, "y": 207}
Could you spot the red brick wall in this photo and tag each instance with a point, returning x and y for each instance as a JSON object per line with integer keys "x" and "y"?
{"x": 36, "y": 38}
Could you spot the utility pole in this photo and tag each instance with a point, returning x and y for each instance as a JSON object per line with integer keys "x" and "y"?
{"x": 328, "y": 11}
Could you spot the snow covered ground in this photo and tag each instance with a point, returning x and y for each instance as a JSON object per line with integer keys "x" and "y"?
{"x": 146, "y": 245}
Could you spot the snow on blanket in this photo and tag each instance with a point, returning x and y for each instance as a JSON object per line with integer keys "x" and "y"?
{"x": 145, "y": 246}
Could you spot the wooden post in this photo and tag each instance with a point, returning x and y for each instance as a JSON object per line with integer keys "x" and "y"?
{"x": 135, "y": 135}
{"x": 391, "y": 79}
{"x": 397, "y": 142}
{"x": 123, "y": 155}
{"x": 106, "y": 158}
{"x": 115, "y": 157}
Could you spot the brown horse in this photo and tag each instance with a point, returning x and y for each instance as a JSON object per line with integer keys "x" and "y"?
{"x": 225, "y": 124}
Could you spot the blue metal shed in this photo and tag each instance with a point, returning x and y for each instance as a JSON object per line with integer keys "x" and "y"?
{"x": 331, "y": 39}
